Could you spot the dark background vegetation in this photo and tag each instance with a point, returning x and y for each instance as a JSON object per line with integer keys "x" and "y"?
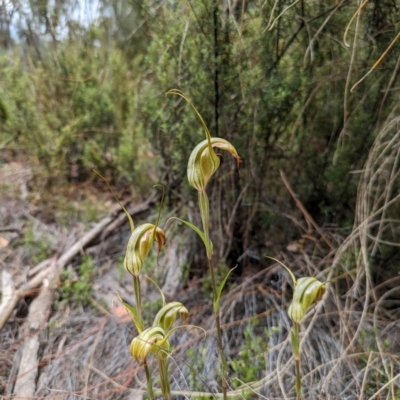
{"x": 82, "y": 87}
{"x": 82, "y": 93}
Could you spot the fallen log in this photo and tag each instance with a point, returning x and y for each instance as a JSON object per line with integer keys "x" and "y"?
{"x": 39, "y": 312}
{"x": 9, "y": 298}
{"x": 12, "y": 294}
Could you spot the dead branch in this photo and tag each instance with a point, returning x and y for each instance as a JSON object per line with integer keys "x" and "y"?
{"x": 103, "y": 228}
{"x": 10, "y": 297}
{"x": 309, "y": 219}
{"x": 39, "y": 311}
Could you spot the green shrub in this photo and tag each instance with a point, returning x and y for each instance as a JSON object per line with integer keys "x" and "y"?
{"x": 77, "y": 289}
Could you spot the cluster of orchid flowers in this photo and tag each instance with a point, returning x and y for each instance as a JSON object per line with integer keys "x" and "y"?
{"x": 154, "y": 339}
{"x": 202, "y": 165}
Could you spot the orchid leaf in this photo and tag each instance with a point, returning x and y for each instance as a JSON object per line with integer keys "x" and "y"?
{"x": 207, "y": 243}
{"x": 133, "y": 314}
{"x": 219, "y": 290}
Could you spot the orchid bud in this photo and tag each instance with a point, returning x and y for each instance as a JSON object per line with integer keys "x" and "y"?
{"x": 307, "y": 291}
{"x": 139, "y": 245}
{"x": 150, "y": 341}
{"x": 168, "y": 314}
{"x": 203, "y": 161}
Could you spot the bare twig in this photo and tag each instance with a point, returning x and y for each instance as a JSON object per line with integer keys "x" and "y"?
{"x": 309, "y": 219}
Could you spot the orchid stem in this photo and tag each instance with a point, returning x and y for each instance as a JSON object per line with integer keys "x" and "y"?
{"x": 224, "y": 363}
{"x": 296, "y": 352}
{"x": 205, "y": 218}
{"x": 138, "y": 299}
{"x": 150, "y": 391}
{"x": 165, "y": 387}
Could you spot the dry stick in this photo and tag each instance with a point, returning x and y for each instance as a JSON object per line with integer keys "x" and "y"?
{"x": 39, "y": 267}
{"x": 320, "y": 29}
{"x": 39, "y": 312}
{"x": 346, "y": 89}
{"x": 118, "y": 221}
{"x": 351, "y": 20}
{"x": 10, "y": 296}
{"x": 307, "y": 216}
{"x": 389, "y": 86}
{"x": 13, "y": 372}
{"x": 10, "y": 229}
{"x": 383, "y": 55}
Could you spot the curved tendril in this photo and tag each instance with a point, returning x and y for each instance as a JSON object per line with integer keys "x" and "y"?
{"x": 155, "y": 284}
{"x": 116, "y": 198}
{"x": 183, "y": 95}
{"x": 287, "y": 269}
{"x": 350, "y": 22}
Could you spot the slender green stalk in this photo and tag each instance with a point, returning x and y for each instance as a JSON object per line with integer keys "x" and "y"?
{"x": 163, "y": 368}
{"x": 202, "y": 165}
{"x": 138, "y": 299}
{"x": 147, "y": 371}
{"x": 307, "y": 291}
{"x": 224, "y": 363}
{"x": 205, "y": 218}
{"x": 296, "y": 352}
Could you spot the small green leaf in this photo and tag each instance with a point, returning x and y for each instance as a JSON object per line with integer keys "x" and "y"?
{"x": 207, "y": 243}
{"x": 133, "y": 314}
{"x": 219, "y": 290}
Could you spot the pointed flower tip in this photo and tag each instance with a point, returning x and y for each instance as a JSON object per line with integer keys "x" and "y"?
{"x": 308, "y": 291}
{"x": 139, "y": 245}
{"x": 203, "y": 162}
